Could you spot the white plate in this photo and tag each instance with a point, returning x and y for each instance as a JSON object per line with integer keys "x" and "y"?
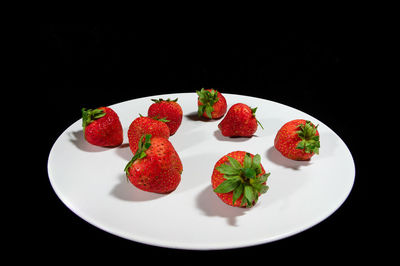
{"x": 91, "y": 182}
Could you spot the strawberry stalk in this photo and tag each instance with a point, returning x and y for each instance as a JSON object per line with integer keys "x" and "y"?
{"x": 143, "y": 145}
{"x": 208, "y": 99}
{"x": 309, "y": 141}
{"x": 243, "y": 180}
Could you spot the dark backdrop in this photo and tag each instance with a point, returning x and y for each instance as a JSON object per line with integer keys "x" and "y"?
{"x": 95, "y": 65}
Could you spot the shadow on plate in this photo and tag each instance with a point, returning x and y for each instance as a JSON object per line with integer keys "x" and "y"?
{"x": 218, "y": 135}
{"x": 124, "y": 190}
{"x": 194, "y": 117}
{"x": 78, "y": 139}
{"x": 211, "y": 205}
{"x": 124, "y": 152}
{"x": 276, "y": 157}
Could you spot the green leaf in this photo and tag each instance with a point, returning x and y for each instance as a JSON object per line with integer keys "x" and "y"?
{"x": 244, "y": 201}
{"x": 143, "y": 145}
{"x": 200, "y": 110}
{"x": 142, "y": 155}
{"x": 164, "y": 119}
{"x": 264, "y": 178}
{"x": 256, "y": 165}
{"x": 301, "y": 145}
{"x": 253, "y": 112}
{"x": 307, "y": 131}
{"x": 259, "y": 183}
{"x": 249, "y": 172}
{"x": 161, "y": 100}
{"x": 256, "y": 186}
{"x": 207, "y": 99}
{"x": 237, "y": 192}
{"x": 247, "y": 162}
{"x": 89, "y": 115}
{"x": 309, "y": 140}
{"x": 233, "y": 177}
{"x": 234, "y": 162}
{"x": 256, "y": 195}
{"x": 199, "y": 93}
{"x": 157, "y": 117}
{"x": 249, "y": 194}
{"x": 146, "y": 142}
{"x": 209, "y": 110}
{"x": 301, "y": 134}
{"x": 228, "y": 185}
{"x": 228, "y": 169}
{"x": 264, "y": 189}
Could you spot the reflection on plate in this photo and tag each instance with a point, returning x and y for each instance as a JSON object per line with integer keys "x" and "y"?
{"x": 91, "y": 182}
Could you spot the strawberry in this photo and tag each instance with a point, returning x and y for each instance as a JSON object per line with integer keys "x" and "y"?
{"x": 169, "y": 110}
{"x": 102, "y": 127}
{"x": 239, "y": 179}
{"x": 240, "y": 121}
{"x": 211, "y": 103}
{"x": 155, "y": 167}
{"x": 145, "y": 125}
{"x": 298, "y": 140}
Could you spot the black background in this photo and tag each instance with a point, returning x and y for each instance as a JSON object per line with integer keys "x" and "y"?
{"x": 99, "y": 65}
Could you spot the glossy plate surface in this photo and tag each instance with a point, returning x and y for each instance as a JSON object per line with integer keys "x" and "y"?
{"x": 91, "y": 182}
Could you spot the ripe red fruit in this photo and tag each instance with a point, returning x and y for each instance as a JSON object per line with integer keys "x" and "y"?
{"x": 239, "y": 179}
{"x": 211, "y": 103}
{"x": 240, "y": 121}
{"x": 156, "y": 166}
{"x": 102, "y": 127}
{"x": 145, "y": 125}
{"x": 169, "y": 110}
{"x": 298, "y": 140}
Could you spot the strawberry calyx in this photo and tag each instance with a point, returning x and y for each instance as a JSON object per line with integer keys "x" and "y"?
{"x": 162, "y": 119}
{"x": 89, "y": 115}
{"x": 162, "y": 100}
{"x": 243, "y": 179}
{"x": 143, "y": 145}
{"x": 208, "y": 99}
{"x": 309, "y": 140}
{"x": 253, "y": 111}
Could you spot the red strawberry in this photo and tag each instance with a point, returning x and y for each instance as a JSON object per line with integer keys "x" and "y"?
{"x": 239, "y": 179}
{"x": 298, "y": 140}
{"x": 169, "y": 110}
{"x": 211, "y": 103}
{"x": 102, "y": 127}
{"x": 155, "y": 167}
{"x": 145, "y": 125}
{"x": 240, "y": 121}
